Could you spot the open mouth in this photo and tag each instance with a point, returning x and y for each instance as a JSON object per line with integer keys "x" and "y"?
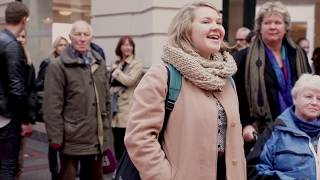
{"x": 214, "y": 36}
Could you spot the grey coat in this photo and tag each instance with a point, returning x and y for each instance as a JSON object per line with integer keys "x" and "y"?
{"x": 70, "y": 106}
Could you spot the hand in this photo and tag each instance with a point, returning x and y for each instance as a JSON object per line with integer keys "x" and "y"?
{"x": 55, "y": 146}
{"x": 114, "y": 66}
{"x": 249, "y": 133}
{"x": 115, "y": 73}
{"x": 26, "y": 130}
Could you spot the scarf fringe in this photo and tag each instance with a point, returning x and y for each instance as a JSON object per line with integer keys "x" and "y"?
{"x": 254, "y": 77}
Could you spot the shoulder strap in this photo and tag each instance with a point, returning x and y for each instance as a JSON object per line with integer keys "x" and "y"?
{"x": 232, "y": 82}
{"x": 174, "y": 87}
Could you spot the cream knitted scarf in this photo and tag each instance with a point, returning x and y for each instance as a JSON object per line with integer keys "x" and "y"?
{"x": 208, "y": 74}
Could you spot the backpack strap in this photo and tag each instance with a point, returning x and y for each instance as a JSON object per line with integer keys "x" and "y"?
{"x": 232, "y": 82}
{"x": 174, "y": 87}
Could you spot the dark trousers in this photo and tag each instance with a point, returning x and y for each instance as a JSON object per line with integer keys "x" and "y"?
{"x": 118, "y": 140}
{"x": 10, "y": 142}
{"x": 53, "y": 155}
{"x": 221, "y": 167}
{"x": 90, "y": 168}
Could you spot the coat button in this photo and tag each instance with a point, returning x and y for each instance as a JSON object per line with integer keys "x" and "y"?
{"x": 234, "y": 162}
{"x": 154, "y": 136}
{"x": 233, "y": 124}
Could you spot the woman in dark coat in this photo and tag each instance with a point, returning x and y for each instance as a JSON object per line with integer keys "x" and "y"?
{"x": 267, "y": 70}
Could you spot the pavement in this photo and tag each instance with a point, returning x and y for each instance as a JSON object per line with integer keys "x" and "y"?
{"x": 35, "y": 156}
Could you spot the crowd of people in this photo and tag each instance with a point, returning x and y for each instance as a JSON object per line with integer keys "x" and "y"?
{"x": 251, "y": 111}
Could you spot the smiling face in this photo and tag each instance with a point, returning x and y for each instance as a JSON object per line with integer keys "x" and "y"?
{"x": 273, "y": 28}
{"x": 207, "y": 32}
{"x": 307, "y": 103}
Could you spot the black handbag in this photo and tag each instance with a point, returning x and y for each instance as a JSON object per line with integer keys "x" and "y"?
{"x": 126, "y": 169}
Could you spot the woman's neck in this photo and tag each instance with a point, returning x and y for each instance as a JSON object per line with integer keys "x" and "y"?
{"x": 274, "y": 47}
{"x": 276, "y": 51}
{"x": 124, "y": 57}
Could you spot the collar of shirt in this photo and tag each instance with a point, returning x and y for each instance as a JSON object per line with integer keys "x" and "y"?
{"x": 84, "y": 58}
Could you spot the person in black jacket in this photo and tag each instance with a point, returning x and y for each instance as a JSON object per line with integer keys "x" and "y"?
{"x": 31, "y": 88}
{"x": 267, "y": 70}
{"x": 59, "y": 44}
{"x": 15, "y": 120}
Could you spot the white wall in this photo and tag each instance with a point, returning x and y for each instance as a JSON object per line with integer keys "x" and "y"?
{"x": 60, "y": 29}
{"x": 146, "y": 21}
{"x": 3, "y": 5}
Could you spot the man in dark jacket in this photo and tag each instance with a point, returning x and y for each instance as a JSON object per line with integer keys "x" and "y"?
{"x": 76, "y": 106}
{"x": 14, "y": 94}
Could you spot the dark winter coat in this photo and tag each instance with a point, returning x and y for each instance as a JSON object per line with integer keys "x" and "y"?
{"x": 70, "y": 106}
{"x": 271, "y": 83}
{"x": 15, "y": 81}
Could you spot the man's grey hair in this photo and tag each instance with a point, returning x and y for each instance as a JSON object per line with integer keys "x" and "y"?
{"x": 78, "y": 23}
{"x": 244, "y": 29}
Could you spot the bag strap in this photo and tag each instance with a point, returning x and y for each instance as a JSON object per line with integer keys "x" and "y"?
{"x": 232, "y": 82}
{"x": 174, "y": 87}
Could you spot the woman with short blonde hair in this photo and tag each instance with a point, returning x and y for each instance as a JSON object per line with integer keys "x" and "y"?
{"x": 267, "y": 71}
{"x": 269, "y": 8}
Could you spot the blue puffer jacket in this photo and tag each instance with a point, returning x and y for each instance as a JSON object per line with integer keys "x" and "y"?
{"x": 285, "y": 152}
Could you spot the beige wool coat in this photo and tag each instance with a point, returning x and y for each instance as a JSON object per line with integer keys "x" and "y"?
{"x": 130, "y": 78}
{"x": 190, "y": 140}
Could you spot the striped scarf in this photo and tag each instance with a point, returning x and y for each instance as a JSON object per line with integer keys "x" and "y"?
{"x": 254, "y": 77}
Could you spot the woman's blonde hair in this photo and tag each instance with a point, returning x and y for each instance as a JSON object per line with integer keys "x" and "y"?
{"x": 271, "y": 7}
{"x": 179, "y": 33}
{"x": 56, "y": 43}
{"x": 306, "y": 81}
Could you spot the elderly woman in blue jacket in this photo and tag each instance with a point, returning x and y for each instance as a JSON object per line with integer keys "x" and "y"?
{"x": 290, "y": 148}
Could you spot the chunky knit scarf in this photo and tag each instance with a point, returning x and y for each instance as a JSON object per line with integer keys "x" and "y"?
{"x": 254, "y": 77}
{"x": 208, "y": 74}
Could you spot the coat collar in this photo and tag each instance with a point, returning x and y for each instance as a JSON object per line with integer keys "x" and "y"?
{"x": 285, "y": 122}
{"x": 10, "y": 34}
{"x": 71, "y": 57}
{"x": 128, "y": 60}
